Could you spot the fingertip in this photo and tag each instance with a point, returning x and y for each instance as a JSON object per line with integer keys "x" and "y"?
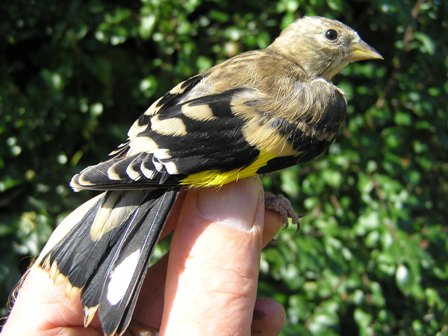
{"x": 269, "y": 317}
{"x": 273, "y": 222}
{"x": 234, "y": 205}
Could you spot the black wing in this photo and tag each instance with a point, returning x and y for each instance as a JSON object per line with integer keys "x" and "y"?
{"x": 205, "y": 133}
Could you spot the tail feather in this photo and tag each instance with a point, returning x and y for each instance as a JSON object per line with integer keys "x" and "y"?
{"x": 128, "y": 270}
{"x": 73, "y": 254}
{"x": 105, "y": 249}
{"x": 63, "y": 230}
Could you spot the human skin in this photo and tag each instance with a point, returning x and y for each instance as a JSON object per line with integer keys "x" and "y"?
{"x": 207, "y": 285}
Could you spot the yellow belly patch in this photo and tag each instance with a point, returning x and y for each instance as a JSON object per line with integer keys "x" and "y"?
{"x": 216, "y": 178}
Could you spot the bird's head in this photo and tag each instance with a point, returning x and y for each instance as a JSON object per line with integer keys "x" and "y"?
{"x": 321, "y": 46}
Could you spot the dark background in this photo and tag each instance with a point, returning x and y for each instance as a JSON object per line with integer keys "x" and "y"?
{"x": 371, "y": 257}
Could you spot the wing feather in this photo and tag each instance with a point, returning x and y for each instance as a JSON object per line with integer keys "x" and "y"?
{"x": 210, "y": 139}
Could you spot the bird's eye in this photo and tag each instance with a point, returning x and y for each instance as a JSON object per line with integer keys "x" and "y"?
{"x": 331, "y": 34}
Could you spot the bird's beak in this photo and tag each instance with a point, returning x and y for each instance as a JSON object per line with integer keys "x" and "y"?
{"x": 362, "y": 51}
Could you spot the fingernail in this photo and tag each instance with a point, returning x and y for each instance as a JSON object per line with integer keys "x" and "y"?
{"x": 258, "y": 314}
{"x": 233, "y": 205}
{"x": 139, "y": 329}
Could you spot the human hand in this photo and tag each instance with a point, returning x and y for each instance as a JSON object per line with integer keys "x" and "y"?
{"x": 206, "y": 286}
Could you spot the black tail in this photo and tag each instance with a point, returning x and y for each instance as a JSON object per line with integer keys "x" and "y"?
{"x": 103, "y": 249}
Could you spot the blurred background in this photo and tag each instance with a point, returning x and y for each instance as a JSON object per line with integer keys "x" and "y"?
{"x": 371, "y": 257}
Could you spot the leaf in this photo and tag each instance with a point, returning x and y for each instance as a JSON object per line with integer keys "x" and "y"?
{"x": 427, "y": 44}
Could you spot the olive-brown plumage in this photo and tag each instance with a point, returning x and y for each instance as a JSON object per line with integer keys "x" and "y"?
{"x": 254, "y": 113}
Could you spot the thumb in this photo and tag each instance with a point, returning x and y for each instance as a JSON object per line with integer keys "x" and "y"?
{"x": 214, "y": 261}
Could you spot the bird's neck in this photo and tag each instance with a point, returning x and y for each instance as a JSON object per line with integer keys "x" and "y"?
{"x": 314, "y": 64}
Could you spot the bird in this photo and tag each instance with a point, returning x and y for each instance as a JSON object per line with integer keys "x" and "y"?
{"x": 255, "y": 113}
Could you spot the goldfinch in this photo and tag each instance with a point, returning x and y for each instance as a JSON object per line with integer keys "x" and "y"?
{"x": 255, "y": 113}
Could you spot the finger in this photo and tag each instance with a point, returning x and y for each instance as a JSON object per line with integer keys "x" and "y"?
{"x": 269, "y": 317}
{"x": 47, "y": 309}
{"x": 170, "y": 224}
{"x": 215, "y": 254}
{"x": 273, "y": 223}
{"x": 138, "y": 329}
{"x": 150, "y": 304}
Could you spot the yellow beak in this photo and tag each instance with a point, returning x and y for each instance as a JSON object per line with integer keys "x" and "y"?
{"x": 360, "y": 51}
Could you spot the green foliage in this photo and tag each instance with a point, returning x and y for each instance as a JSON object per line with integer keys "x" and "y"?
{"x": 371, "y": 256}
